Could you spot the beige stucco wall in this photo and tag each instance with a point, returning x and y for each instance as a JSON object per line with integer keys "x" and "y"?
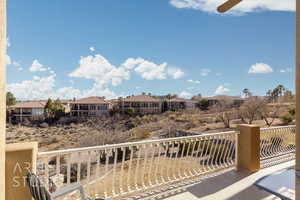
{"x": 2, "y": 96}
{"x": 20, "y": 159}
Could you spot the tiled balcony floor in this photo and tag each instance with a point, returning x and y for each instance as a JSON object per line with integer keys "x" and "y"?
{"x": 231, "y": 185}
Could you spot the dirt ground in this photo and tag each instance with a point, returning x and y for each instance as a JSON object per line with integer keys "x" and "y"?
{"x": 101, "y": 131}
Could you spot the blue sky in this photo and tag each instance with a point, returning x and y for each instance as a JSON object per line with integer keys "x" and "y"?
{"x": 114, "y": 48}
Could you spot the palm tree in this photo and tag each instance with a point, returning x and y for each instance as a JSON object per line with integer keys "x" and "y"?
{"x": 247, "y": 92}
{"x": 281, "y": 89}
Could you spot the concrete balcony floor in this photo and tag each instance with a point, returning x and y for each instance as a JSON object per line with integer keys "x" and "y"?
{"x": 231, "y": 185}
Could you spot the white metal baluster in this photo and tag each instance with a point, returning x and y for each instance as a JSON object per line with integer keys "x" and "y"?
{"x": 68, "y": 169}
{"x": 176, "y": 159}
{"x": 166, "y": 145}
{"x": 123, "y": 149}
{"x": 46, "y": 161}
{"x": 218, "y": 149}
{"x": 97, "y": 173}
{"x": 181, "y": 160}
{"x": 129, "y": 169}
{"x": 150, "y": 172}
{"x": 115, "y": 151}
{"x": 228, "y": 146}
{"x": 231, "y": 153}
{"x": 210, "y": 152}
{"x": 276, "y": 140}
{"x": 57, "y": 165}
{"x": 206, "y": 154}
{"x": 186, "y": 159}
{"x": 89, "y": 167}
{"x": 170, "y": 162}
{"x": 106, "y": 172}
{"x": 223, "y": 150}
{"x": 157, "y": 164}
{"x": 192, "y": 159}
{"x": 144, "y": 167}
{"x": 270, "y": 146}
{"x": 198, "y": 164}
{"x": 202, "y": 157}
{"x": 139, "y": 148}
{"x": 78, "y": 167}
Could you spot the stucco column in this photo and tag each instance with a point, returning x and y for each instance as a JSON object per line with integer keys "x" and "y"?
{"x": 3, "y": 95}
{"x": 298, "y": 86}
{"x": 297, "y": 100}
{"x": 248, "y": 151}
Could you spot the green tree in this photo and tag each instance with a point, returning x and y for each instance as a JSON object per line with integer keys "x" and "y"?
{"x": 10, "y": 99}
{"x": 54, "y": 110}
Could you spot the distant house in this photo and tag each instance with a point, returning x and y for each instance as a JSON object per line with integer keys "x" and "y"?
{"x": 142, "y": 104}
{"x": 236, "y": 101}
{"x": 90, "y": 106}
{"x": 176, "y": 104}
{"x": 31, "y": 110}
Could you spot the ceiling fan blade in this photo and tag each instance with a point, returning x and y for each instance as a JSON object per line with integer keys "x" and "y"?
{"x": 228, "y": 5}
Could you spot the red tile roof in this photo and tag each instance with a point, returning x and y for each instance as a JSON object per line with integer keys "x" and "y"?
{"x": 29, "y": 104}
{"x": 141, "y": 98}
{"x": 90, "y": 100}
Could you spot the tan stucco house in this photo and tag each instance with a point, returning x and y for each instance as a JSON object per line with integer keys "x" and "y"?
{"x": 90, "y": 106}
{"x": 142, "y": 104}
{"x": 31, "y": 110}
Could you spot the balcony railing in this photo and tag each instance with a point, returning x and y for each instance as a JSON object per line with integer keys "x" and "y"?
{"x": 277, "y": 143}
{"x": 123, "y": 169}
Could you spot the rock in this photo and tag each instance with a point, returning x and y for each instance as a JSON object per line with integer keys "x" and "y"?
{"x": 44, "y": 125}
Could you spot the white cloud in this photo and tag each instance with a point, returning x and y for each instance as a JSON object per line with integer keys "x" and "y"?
{"x": 285, "y": 70}
{"x": 205, "y": 72}
{"x": 44, "y": 87}
{"x": 260, "y": 68}
{"x": 92, "y": 49}
{"x": 245, "y": 6}
{"x": 131, "y": 63}
{"x": 37, "y": 88}
{"x": 175, "y": 72}
{"x": 36, "y": 66}
{"x": 221, "y": 90}
{"x": 185, "y": 94}
{"x": 152, "y": 71}
{"x": 193, "y": 81}
{"x": 20, "y": 69}
{"x": 99, "y": 69}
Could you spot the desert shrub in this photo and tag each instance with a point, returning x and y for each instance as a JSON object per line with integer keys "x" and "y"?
{"x": 203, "y": 104}
{"x": 286, "y": 118}
{"x": 141, "y": 133}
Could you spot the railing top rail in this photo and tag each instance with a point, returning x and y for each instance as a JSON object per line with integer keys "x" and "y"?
{"x": 128, "y": 144}
{"x": 277, "y": 127}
